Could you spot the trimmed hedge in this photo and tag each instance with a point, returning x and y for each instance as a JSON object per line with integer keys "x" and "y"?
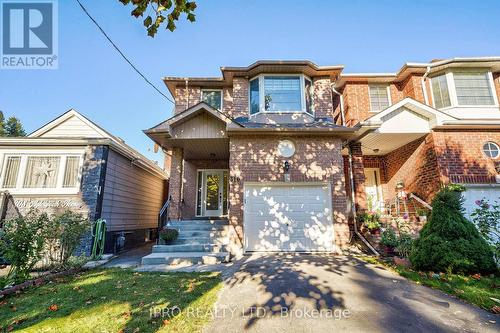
{"x": 449, "y": 242}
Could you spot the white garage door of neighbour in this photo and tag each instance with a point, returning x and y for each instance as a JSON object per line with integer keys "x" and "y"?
{"x": 288, "y": 218}
{"x": 490, "y": 193}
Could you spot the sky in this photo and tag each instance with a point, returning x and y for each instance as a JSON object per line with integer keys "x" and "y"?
{"x": 364, "y": 36}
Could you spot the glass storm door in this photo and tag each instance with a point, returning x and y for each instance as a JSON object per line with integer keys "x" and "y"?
{"x": 372, "y": 189}
{"x": 213, "y": 193}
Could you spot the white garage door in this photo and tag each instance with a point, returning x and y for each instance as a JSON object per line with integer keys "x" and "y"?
{"x": 473, "y": 193}
{"x": 284, "y": 217}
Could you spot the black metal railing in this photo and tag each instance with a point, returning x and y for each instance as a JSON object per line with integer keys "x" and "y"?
{"x": 162, "y": 218}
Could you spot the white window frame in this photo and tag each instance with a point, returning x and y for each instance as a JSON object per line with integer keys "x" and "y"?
{"x": 450, "y": 80}
{"x": 24, "y": 154}
{"x": 203, "y": 191}
{"x": 484, "y": 153}
{"x": 262, "y": 110}
{"x": 388, "y": 87}
{"x": 221, "y": 96}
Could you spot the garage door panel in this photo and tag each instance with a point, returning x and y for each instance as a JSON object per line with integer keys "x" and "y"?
{"x": 288, "y": 218}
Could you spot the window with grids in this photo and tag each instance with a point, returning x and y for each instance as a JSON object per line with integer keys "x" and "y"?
{"x": 379, "y": 97}
{"x": 212, "y": 98}
{"x": 491, "y": 149}
{"x": 440, "y": 92}
{"x": 41, "y": 172}
{"x": 473, "y": 88}
{"x": 282, "y": 93}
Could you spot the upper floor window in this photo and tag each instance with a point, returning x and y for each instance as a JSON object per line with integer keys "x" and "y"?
{"x": 280, "y": 93}
{"x": 463, "y": 88}
{"x": 440, "y": 92}
{"x": 212, "y": 98}
{"x": 473, "y": 88}
{"x": 379, "y": 97}
{"x": 45, "y": 173}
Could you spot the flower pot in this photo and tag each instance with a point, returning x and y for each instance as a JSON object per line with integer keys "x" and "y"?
{"x": 375, "y": 232}
{"x": 398, "y": 261}
{"x": 389, "y": 250}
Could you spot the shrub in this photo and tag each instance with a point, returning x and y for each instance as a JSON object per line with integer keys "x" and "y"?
{"x": 371, "y": 220}
{"x": 21, "y": 244}
{"x": 169, "y": 234}
{"x": 389, "y": 238}
{"x": 486, "y": 217}
{"x": 449, "y": 242}
{"x": 64, "y": 234}
{"x": 405, "y": 245}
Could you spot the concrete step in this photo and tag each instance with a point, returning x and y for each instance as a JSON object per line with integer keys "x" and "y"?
{"x": 201, "y": 233}
{"x": 208, "y": 227}
{"x": 201, "y": 240}
{"x": 199, "y": 222}
{"x": 215, "y": 248}
{"x": 185, "y": 258}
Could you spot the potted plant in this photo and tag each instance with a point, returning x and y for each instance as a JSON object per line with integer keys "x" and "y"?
{"x": 169, "y": 235}
{"x": 389, "y": 240}
{"x": 373, "y": 226}
{"x": 422, "y": 215}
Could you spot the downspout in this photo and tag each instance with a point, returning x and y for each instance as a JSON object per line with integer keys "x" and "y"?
{"x": 187, "y": 94}
{"x": 353, "y": 207}
{"x": 424, "y": 88}
{"x": 342, "y": 115}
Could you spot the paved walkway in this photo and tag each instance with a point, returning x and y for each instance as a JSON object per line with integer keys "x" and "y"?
{"x": 320, "y": 293}
{"x": 131, "y": 258}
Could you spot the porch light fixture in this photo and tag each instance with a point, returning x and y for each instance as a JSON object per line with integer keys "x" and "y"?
{"x": 376, "y": 150}
{"x": 286, "y": 166}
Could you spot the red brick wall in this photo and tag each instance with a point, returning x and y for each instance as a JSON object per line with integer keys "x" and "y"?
{"x": 323, "y": 99}
{"x": 416, "y": 165}
{"x": 461, "y": 158}
{"x": 412, "y": 87}
{"x": 255, "y": 158}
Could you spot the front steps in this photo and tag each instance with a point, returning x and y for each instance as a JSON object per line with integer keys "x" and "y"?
{"x": 200, "y": 242}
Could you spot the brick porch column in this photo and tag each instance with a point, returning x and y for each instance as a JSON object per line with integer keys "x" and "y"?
{"x": 175, "y": 183}
{"x": 359, "y": 175}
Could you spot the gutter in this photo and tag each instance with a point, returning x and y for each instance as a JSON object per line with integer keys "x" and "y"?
{"x": 424, "y": 89}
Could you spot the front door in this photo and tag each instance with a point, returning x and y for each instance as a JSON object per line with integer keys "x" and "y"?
{"x": 372, "y": 188}
{"x": 213, "y": 187}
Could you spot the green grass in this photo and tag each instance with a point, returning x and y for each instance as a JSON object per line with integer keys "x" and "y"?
{"x": 113, "y": 300}
{"x": 475, "y": 291}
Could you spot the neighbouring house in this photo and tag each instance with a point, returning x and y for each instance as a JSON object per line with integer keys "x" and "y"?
{"x": 73, "y": 164}
{"x": 287, "y": 151}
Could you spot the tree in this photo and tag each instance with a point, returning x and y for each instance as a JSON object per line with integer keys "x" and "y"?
{"x": 2, "y": 124}
{"x": 161, "y": 10}
{"x": 449, "y": 242}
{"x": 13, "y": 127}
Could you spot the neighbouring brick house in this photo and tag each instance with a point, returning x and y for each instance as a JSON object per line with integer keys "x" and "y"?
{"x": 73, "y": 164}
{"x": 274, "y": 147}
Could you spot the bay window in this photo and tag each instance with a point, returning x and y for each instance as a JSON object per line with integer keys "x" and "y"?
{"x": 473, "y": 88}
{"x": 464, "y": 88}
{"x": 47, "y": 173}
{"x": 280, "y": 93}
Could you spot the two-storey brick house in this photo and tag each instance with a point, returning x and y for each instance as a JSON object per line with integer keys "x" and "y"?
{"x": 274, "y": 147}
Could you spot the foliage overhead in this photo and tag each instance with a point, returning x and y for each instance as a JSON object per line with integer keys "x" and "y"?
{"x": 449, "y": 242}
{"x": 12, "y": 127}
{"x": 486, "y": 217}
{"x": 159, "y": 11}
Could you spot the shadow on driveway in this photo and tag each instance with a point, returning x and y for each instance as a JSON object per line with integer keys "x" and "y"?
{"x": 323, "y": 293}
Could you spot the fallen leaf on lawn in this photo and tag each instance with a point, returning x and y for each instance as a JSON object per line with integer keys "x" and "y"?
{"x": 496, "y": 309}
{"x": 166, "y": 322}
{"x": 88, "y": 302}
{"x": 137, "y": 330}
{"x": 10, "y": 329}
{"x": 53, "y": 307}
{"x": 13, "y": 308}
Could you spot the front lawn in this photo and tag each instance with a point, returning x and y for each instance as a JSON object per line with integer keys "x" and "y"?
{"x": 478, "y": 290}
{"x": 113, "y": 300}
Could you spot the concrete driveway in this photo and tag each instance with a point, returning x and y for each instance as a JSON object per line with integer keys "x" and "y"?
{"x": 323, "y": 293}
